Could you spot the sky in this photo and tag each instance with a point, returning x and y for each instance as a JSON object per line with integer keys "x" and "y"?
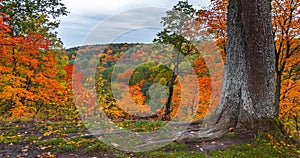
{"x": 114, "y": 21}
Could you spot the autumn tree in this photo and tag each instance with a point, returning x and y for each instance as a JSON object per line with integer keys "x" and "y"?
{"x": 28, "y": 74}
{"x": 286, "y": 33}
{"x": 290, "y": 96}
{"x": 173, "y": 34}
{"x": 247, "y": 98}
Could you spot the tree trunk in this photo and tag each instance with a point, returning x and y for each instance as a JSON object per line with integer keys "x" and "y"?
{"x": 170, "y": 96}
{"x": 278, "y": 90}
{"x": 172, "y": 83}
{"x": 247, "y": 96}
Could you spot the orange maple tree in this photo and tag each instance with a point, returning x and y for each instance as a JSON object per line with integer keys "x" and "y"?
{"x": 286, "y": 33}
{"x": 27, "y": 73}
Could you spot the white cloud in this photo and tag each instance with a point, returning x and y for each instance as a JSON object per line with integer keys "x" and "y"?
{"x": 113, "y": 27}
{"x": 110, "y": 7}
{"x": 86, "y": 14}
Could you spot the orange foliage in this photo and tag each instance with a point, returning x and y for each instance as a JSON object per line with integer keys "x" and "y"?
{"x": 290, "y": 91}
{"x": 209, "y": 68}
{"x": 214, "y": 20}
{"x": 286, "y": 22}
{"x": 27, "y": 72}
{"x": 133, "y": 102}
{"x": 188, "y": 107}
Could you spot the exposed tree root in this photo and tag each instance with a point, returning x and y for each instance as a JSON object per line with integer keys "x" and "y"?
{"x": 202, "y": 135}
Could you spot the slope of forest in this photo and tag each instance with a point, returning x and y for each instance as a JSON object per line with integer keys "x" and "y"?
{"x": 141, "y": 79}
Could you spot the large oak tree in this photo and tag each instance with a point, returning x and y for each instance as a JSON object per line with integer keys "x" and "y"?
{"x": 247, "y": 96}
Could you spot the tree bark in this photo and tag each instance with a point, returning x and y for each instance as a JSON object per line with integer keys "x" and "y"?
{"x": 247, "y": 96}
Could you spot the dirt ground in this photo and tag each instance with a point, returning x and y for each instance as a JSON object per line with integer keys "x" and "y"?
{"x": 28, "y": 149}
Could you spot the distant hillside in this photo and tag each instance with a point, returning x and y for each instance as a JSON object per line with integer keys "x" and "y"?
{"x": 112, "y": 49}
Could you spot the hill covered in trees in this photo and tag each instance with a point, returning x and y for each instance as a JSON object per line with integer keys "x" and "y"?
{"x": 147, "y": 73}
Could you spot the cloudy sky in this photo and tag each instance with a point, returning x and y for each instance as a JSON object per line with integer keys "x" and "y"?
{"x": 106, "y": 21}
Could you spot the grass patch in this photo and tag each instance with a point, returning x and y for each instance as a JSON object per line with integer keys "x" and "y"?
{"x": 175, "y": 147}
{"x": 263, "y": 146}
{"x": 17, "y": 138}
{"x": 98, "y": 146}
{"x": 61, "y": 145}
{"x": 177, "y": 154}
{"x": 141, "y": 125}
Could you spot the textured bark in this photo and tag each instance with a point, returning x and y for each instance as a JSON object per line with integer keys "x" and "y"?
{"x": 247, "y": 96}
{"x": 172, "y": 83}
{"x": 277, "y": 89}
{"x": 169, "y": 101}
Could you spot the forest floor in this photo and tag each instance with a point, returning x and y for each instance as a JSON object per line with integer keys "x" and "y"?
{"x": 65, "y": 139}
